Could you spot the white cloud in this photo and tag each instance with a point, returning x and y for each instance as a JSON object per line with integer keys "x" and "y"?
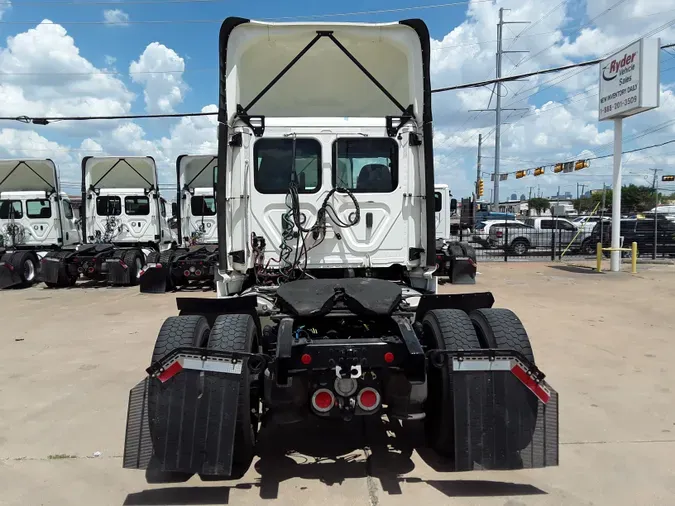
{"x": 4, "y": 7}
{"x": 110, "y": 60}
{"x": 160, "y": 70}
{"x": 47, "y": 76}
{"x": 116, "y": 17}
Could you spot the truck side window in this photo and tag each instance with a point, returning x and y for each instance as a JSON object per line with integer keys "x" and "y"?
{"x": 546, "y": 224}
{"x": 438, "y": 198}
{"x": 273, "y": 165}
{"x": 38, "y": 208}
{"x": 371, "y": 164}
{"x": 137, "y": 206}
{"x": 108, "y": 206}
{"x": 67, "y": 210}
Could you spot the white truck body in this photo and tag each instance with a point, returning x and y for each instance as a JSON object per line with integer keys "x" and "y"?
{"x": 122, "y": 203}
{"x": 345, "y": 131}
{"x": 196, "y": 201}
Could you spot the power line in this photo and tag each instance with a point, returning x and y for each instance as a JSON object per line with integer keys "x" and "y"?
{"x": 282, "y": 18}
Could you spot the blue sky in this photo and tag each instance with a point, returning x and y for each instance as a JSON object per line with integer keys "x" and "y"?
{"x": 560, "y": 122}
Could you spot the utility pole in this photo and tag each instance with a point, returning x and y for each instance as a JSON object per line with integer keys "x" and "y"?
{"x": 480, "y": 143}
{"x": 498, "y": 105}
{"x": 530, "y": 194}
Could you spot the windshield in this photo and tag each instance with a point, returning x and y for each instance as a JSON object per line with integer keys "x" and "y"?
{"x": 10, "y": 210}
{"x": 203, "y": 206}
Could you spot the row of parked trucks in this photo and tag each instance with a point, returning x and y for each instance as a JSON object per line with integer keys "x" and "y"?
{"x": 122, "y": 232}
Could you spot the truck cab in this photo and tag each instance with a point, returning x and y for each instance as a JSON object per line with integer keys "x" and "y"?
{"x": 35, "y": 217}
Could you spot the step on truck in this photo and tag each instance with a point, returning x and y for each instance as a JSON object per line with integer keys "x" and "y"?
{"x": 195, "y": 259}
{"x": 123, "y": 219}
{"x": 36, "y": 218}
{"x": 326, "y": 302}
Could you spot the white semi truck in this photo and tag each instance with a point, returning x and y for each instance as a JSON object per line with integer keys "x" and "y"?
{"x": 35, "y": 217}
{"x": 327, "y": 304}
{"x": 123, "y": 219}
{"x": 196, "y": 257}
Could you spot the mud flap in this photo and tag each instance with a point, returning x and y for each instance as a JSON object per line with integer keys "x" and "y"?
{"x": 118, "y": 272}
{"x": 462, "y": 271}
{"x": 9, "y": 276}
{"x": 154, "y": 279}
{"x": 53, "y": 270}
{"x": 504, "y": 419}
{"x": 185, "y": 425}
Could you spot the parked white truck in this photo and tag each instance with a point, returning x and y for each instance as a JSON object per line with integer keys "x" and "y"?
{"x": 326, "y": 304}
{"x": 35, "y": 218}
{"x": 123, "y": 219}
{"x": 196, "y": 258}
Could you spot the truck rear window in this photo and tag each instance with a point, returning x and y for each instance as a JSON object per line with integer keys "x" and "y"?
{"x": 137, "y": 206}
{"x": 203, "y": 206}
{"x": 38, "y": 208}
{"x": 108, "y": 206}
{"x": 274, "y": 163}
{"x": 366, "y": 165}
{"x": 10, "y": 209}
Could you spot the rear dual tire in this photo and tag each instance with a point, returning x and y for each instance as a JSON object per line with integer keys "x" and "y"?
{"x": 25, "y": 263}
{"x": 453, "y": 329}
{"x": 229, "y": 333}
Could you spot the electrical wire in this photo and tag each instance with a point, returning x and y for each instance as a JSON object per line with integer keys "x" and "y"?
{"x": 282, "y": 18}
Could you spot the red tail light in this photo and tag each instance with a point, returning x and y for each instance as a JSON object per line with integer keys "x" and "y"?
{"x": 368, "y": 399}
{"x": 198, "y": 272}
{"x": 91, "y": 269}
{"x": 323, "y": 400}
{"x": 500, "y": 234}
{"x": 389, "y": 357}
{"x": 186, "y": 273}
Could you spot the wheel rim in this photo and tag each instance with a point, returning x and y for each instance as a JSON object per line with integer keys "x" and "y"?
{"x": 519, "y": 248}
{"x": 28, "y": 270}
{"x": 139, "y": 267}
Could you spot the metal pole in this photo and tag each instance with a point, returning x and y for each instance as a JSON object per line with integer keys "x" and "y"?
{"x": 615, "y": 263}
{"x": 602, "y": 213}
{"x": 480, "y": 143}
{"x": 656, "y": 212}
{"x": 498, "y": 109}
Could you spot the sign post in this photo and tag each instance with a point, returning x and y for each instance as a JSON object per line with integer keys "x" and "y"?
{"x": 629, "y": 84}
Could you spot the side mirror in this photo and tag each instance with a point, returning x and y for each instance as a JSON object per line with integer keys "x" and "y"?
{"x": 174, "y": 208}
{"x": 453, "y": 204}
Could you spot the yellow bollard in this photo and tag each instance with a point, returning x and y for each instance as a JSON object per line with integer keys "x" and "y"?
{"x": 598, "y": 250}
{"x": 633, "y": 257}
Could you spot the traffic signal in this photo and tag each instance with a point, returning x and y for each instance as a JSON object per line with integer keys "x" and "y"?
{"x": 558, "y": 168}
{"x": 668, "y": 178}
{"x": 539, "y": 171}
{"x": 480, "y": 188}
{"x": 581, "y": 164}
{"x": 520, "y": 173}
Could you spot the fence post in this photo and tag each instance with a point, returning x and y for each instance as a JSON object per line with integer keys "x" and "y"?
{"x": 506, "y": 241}
{"x": 560, "y": 244}
{"x": 553, "y": 244}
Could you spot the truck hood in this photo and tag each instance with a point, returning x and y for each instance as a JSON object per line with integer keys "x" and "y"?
{"x": 196, "y": 170}
{"x": 27, "y": 175}
{"x": 324, "y": 82}
{"x": 119, "y": 172}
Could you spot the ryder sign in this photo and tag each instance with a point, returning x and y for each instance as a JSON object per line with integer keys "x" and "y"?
{"x": 629, "y": 80}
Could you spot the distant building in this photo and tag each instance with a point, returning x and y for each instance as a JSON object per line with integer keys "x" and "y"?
{"x": 514, "y": 196}
{"x": 522, "y": 197}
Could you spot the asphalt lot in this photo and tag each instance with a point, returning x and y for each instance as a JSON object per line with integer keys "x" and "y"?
{"x": 606, "y": 343}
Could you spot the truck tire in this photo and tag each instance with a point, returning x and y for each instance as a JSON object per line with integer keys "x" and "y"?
{"x": 176, "y": 332}
{"x": 469, "y": 251}
{"x": 588, "y": 247}
{"x": 503, "y": 330}
{"x": 135, "y": 261}
{"x": 444, "y": 329}
{"x": 166, "y": 258}
{"x": 25, "y": 263}
{"x": 238, "y": 332}
{"x": 519, "y": 247}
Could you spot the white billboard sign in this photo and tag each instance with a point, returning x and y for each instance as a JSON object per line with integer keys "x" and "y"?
{"x": 629, "y": 80}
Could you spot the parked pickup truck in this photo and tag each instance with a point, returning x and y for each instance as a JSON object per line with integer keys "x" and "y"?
{"x": 536, "y": 233}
